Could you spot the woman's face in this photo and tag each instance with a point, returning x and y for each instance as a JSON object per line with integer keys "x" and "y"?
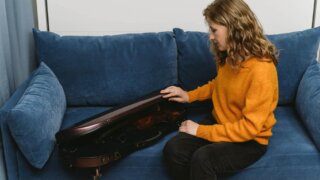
{"x": 218, "y": 35}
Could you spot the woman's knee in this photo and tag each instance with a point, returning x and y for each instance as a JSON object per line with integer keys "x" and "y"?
{"x": 180, "y": 148}
{"x": 201, "y": 155}
{"x": 172, "y": 148}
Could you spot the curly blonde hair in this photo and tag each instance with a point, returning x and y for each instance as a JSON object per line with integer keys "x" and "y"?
{"x": 245, "y": 35}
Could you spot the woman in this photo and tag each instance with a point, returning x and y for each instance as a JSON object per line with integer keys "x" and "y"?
{"x": 244, "y": 94}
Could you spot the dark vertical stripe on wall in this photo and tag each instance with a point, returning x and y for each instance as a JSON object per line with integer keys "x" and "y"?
{"x": 314, "y": 13}
{"x": 47, "y": 15}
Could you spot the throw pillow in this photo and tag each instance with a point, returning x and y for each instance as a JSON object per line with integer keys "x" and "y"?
{"x": 297, "y": 51}
{"x": 37, "y": 116}
{"x": 195, "y": 61}
{"x": 308, "y": 101}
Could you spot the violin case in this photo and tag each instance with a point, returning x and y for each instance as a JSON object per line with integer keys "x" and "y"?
{"x": 111, "y": 135}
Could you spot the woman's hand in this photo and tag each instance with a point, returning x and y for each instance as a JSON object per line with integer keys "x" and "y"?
{"x": 176, "y": 94}
{"x": 189, "y": 127}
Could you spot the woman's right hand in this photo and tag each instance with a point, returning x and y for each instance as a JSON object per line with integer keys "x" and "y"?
{"x": 173, "y": 93}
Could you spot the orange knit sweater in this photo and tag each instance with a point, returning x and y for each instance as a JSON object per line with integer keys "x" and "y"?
{"x": 243, "y": 100}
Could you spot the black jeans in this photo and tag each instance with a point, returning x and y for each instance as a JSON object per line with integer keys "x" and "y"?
{"x": 190, "y": 157}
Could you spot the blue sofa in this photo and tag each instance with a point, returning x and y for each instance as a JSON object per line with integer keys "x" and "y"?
{"x": 80, "y": 76}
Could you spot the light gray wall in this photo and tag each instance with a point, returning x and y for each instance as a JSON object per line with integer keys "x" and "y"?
{"x": 97, "y": 17}
{"x": 279, "y": 16}
{"x": 122, "y": 16}
{"x": 41, "y": 14}
{"x": 317, "y": 22}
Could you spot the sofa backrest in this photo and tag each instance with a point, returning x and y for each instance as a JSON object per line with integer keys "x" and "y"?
{"x": 196, "y": 65}
{"x": 297, "y": 51}
{"x": 109, "y": 70}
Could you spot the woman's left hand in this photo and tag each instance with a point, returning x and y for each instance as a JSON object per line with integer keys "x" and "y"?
{"x": 189, "y": 127}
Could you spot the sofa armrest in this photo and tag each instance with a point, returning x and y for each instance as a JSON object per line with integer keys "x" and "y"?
{"x": 308, "y": 101}
{"x": 8, "y": 148}
{"x": 2, "y": 165}
{"x": 31, "y": 117}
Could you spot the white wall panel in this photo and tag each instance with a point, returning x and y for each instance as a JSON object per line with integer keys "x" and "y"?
{"x": 96, "y": 17}
{"x": 41, "y": 11}
{"x": 317, "y": 22}
{"x": 278, "y": 16}
{"x": 122, "y": 16}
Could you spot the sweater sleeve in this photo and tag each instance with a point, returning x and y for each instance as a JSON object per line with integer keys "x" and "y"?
{"x": 260, "y": 103}
{"x": 202, "y": 93}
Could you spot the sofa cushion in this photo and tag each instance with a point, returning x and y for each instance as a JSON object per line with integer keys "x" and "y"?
{"x": 109, "y": 70}
{"x": 195, "y": 61}
{"x": 308, "y": 101}
{"x": 74, "y": 115}
{"x": 291, "y": 153}
{"x": 37, "y": 116}
{"x": 297, "y": 51}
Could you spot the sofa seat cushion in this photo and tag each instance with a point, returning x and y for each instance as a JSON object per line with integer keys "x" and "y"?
{"x": 144, "y": 164}
{"x": 109, "y": 70}
{"x": 37, "y": 116}
{"x": 291, "y": 153}
{"x": 289, "y": 147}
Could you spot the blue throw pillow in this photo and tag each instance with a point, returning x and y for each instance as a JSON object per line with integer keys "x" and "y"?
{"x": 195, "y": 61}
{"x": 297, "y": 52}
{"x": 109, "y": 70}
{"x": 37, "y": 116}
{"x": 308, "y": 101}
